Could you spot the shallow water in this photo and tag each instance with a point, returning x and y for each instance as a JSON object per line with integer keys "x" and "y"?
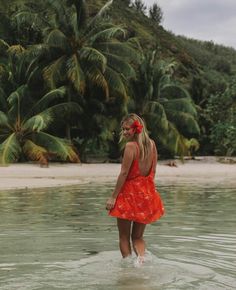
{"x": 63, "y": 239}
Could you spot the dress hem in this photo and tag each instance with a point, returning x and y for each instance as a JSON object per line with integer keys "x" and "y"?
{"x": 138, "y": 221}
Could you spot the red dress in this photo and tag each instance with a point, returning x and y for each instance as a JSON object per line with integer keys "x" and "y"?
{"x": 138, "y": 199}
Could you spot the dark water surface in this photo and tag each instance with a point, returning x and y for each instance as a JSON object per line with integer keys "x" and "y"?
{"x": 62, "y": 238}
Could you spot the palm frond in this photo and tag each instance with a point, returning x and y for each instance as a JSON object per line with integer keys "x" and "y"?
{"x": 38, "y": 123}
{"x": 14, "y": 101}
{"x": 39, "y": 51}
{"x": 156, "y": 116}
{"x": 93, "y": 56}
{"x": 32, "y": 67}
{"x": 184, "y": 105}
{"x": 41, "y": 121}
{"x": 57, "y": 7}
{"x": 3, "y": 99}
{"x": 57, "y": 38}
{"x": 62, "y": 110}
{"x": 118, "y": 65}
{"x": 45, "y": 101}
{"x": 173, "y": 90}
{"x": 75, "y": 73}
{"x": 4, "y": 122}
{"x": 3, "y": 47}
{"x": 16, "y": 49}
{"x": 134, "y": 43}
{"x": 99, "y": 15}
{"x": 35, "y": 152}
{"x": 4, "y": 135}
{"x": 54, "y": 72}
{"x": 76, "y": 23}
{"x": 72, "y": 154}
{"x": 29, "y": 18}
{"x": 10, "y": 150}
{"x": 184, "y": 147}
{"x": 81, "y": 15}
{"x": 167, "y": 68}
{"x": 59, "y": 147}
{"x": 177, "y": 143}
{"x": 161, "y": 82}
{"x": 104, "y": 9}
{"x": 193, "y": 144}
{"x": 116, "y": 83}
{"x": 122, "y": 49}
{"x": 185, "y": 122}
{"x": 108, "y": 34}
{"x": 95, "y": 29}
{"x": 95, "y": 76}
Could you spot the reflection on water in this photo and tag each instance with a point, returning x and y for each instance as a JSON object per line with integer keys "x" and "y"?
{"x": 63, "y": 239}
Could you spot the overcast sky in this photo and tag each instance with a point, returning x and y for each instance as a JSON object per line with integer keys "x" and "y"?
{"x": 200, "y": 19}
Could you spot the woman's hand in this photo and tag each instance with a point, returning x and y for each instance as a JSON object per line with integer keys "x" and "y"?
{"x": 110, "y": 203}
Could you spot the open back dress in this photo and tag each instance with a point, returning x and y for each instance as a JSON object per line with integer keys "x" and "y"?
{"x": 138, "y": 199}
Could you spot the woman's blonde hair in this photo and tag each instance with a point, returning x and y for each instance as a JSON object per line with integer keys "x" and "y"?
{"x": 142, "y": 138}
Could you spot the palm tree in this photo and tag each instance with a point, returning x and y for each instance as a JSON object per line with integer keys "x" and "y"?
{"x": 92, "y": 56}
{"x": 166, "y": 105}
{"x": 86, "y": 53}
{"x": 24, "y": 127}
{"x": 25, "y": 116}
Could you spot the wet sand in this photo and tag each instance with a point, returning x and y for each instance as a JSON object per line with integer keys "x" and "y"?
{"x": 205, "y": 170}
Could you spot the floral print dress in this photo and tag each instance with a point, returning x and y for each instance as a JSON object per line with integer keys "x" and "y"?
{"x": 138, "y": 199}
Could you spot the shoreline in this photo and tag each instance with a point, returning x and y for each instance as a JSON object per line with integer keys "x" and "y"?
{"x": 28, "y": 175}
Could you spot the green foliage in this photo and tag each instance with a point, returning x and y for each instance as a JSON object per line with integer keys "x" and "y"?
{"x": 60, "y": 55}
{"x": 24, "y": 118}
{"x": 165, "y": 104}
{"x": 126, "y": 2}
{"x": 223, "y": 65}
{"x": 88, "y": 54}
{"x": 139, "y": 6}
{"x": 222, "y": 111}
{"x": 226, "y": 132}
{"x": 210, "y": 55}
{"x": 156, "y": 13}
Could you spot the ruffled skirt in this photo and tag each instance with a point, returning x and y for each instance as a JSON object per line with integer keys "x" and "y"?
{"x": 138, "y": 201}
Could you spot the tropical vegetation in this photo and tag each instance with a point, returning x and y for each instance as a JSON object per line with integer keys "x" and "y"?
{"x": 70, "y": 69}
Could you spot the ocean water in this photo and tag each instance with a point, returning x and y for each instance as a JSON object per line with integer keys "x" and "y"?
{"x": 62, "y": 238}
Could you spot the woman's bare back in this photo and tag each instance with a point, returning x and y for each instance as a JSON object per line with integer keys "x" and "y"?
{"x": 145, "y": 165}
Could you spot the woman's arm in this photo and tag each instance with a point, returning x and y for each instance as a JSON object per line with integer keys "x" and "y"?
{"x": 128, "y": 158}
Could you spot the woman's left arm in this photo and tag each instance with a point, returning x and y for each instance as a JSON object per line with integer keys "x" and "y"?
{"x": 125, "y": 167}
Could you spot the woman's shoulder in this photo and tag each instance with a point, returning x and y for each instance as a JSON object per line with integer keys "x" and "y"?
{"x": 130, "y": 148}
{"x": 131, "y": 145}
{"x": 152, "y": 142}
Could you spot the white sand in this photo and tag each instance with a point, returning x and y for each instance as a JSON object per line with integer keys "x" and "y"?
{"x": 207, "y": 170}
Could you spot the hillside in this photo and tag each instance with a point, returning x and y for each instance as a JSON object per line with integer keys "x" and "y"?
{"x": 206, "y": 69}
{"x": 193, "y": 54}
{"x": 149, "y": 34}
{"x": 184, "y": 87}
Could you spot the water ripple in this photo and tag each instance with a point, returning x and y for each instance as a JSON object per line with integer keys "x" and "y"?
{"x": 61, "y": 238}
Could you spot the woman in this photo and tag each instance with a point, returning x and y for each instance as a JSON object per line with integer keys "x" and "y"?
{"x": 134, "y": 201}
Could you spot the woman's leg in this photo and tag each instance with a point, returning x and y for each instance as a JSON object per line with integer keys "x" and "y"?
{"x": 124, "y": 235}
{"x": 137, "y": 238}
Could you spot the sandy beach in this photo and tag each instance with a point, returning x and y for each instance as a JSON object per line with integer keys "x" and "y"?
{"x": 205, "y": 170}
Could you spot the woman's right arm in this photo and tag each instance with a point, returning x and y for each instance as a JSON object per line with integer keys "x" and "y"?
{"x": 125, "y": 167}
